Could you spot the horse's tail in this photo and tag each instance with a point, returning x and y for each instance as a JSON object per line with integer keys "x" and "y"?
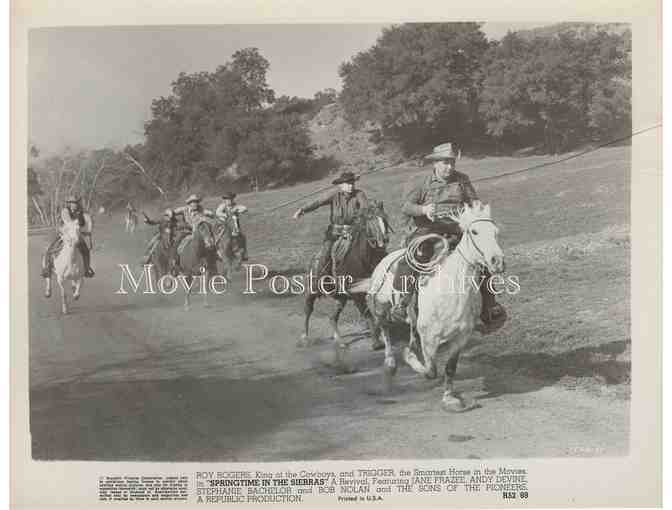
{"x": 360, "y": 286}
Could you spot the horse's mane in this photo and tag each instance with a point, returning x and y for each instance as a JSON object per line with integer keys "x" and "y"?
{"x": 468, "y": 214}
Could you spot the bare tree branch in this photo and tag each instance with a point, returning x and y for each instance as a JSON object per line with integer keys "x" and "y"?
{"x": 144, "y": 172}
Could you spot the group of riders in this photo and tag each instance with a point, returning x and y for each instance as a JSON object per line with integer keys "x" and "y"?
{"x": 430, "y": 208}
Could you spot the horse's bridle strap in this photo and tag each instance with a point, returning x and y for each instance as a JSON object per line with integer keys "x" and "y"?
{"x": 471, "y": 238}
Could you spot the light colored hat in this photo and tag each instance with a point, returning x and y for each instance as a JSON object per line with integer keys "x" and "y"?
{"x": 169, "y": 213}
{"x": 193, "y": 198}
{"x": 443, "y": 151}
{"x": 73, "y": 199}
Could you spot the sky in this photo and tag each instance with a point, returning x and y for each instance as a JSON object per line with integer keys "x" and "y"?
{"x": 93, "y": 87}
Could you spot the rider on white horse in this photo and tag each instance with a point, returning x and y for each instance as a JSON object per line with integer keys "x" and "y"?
{"x": 227, "y": 210}
{"x": 429, "y": 205}
{"x": 73, "y": 210}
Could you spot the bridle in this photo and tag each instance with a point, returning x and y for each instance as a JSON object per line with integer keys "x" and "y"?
{"x": 470, "y": 237}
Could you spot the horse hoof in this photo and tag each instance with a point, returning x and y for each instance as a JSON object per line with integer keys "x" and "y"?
{"x": 47, "y": 294}
{"x": 390, "y": 366}
{"x": 377, "y": 345}
{"x": 75, "y": 297}
{"x": 455, "y": 404}
{"x": 431, "y": 373}
{"x": 340, "y": 361}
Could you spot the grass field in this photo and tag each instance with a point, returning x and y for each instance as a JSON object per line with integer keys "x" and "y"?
{"x": 135, "y": 377}
{"x": 565, "y": 231}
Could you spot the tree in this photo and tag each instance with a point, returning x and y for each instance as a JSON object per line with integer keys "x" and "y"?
{"x": 557, "y": 90}
{"x": 420, "y": 82}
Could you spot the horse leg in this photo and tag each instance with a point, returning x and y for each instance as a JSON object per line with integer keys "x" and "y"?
{"x": 187, "y": 304}
{"x": 413, "y": 321}
{"x": 206, "y": 281}
{"x": 342, "y": 301}
{"x": 47, "y": 287}
{"x": 452, "y": 401}
{"x": 308, "y": 306}
{"x": 390, "y": 364}
{"x": 360, "y": 303}
{"x": 64, "y": 297}
{"x": 76, "y": 285}
{"x": 428, "y": 369}
{"x": 340, "y": 348}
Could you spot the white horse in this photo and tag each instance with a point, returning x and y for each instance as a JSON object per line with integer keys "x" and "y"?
{"x": 448, "y": 300}
{"x": 131, "y": 221}
{"x": 68, "y": 264}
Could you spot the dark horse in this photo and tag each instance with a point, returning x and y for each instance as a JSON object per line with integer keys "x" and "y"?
{"x": 367, "y": 242}
{"x": 198, "y": 258}
{"x": 164, "y": 258}
{"x": 229, "y": 241}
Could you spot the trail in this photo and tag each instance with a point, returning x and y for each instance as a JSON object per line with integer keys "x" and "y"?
{"x": 136, "y": 377}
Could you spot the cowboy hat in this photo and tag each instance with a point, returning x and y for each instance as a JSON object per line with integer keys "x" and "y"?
{"x": 193, "y": 198}
{"x": 443, "y": 151}
{"x": 229, "y": 195}
{"x": 346, "y": 177}
{"x": 73, "y": 199}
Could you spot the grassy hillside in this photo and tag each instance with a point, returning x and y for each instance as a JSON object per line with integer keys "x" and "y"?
{"x": 564, "y": 230}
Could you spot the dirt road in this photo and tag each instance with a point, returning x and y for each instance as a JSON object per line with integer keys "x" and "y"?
{"x": 136, "y": 377}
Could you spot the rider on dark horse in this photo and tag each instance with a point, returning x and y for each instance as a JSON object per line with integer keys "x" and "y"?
{"x": 347, "y": 204}
{"x": 228, "y": 210}
{"x": 428, "y": 205}
{"x": 193, "y": 213}
{"x": 167, "y": 222}
{"x": 73, "y": 210}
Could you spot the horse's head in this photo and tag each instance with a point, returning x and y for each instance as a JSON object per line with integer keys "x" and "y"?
{"x": 70, "y": 232}
{"x": 204, "y": 232}
{"x": 479, "y": 237}
{"x": 376, "y": 225}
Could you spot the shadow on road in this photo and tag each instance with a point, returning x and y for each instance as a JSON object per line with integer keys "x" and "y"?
{"x": 184, "y": 419}
{"x": 525, "y": 372}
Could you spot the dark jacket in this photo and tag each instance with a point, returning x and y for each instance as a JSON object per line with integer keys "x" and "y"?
{"x": 345, "y": 207}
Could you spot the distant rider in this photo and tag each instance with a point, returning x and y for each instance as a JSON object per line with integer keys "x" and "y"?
{"x": 72, "y": 211}
{"x": 228, "y": 210}
{"x": 167, "y": 221}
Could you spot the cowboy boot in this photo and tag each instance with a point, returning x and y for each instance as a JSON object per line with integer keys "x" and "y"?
{"x": 404, "y": 282}
{"x": 492, "y": 313}
{"x": 243, "y": 243}
{"x": 86, "y": 255}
